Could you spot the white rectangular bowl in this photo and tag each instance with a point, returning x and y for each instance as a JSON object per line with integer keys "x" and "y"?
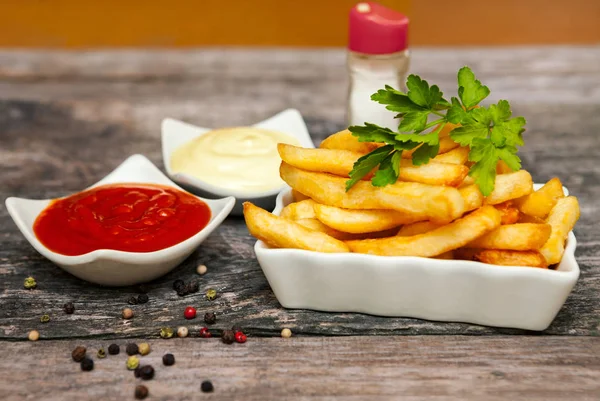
{"x": 433, "y": 289}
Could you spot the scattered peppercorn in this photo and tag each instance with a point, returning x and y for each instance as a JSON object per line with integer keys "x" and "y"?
{"x": 143, "y": 289}
{"x": 207, "y": 387}
{"x": 101, "y": 353}
{"x": 87, "y": 364}
{"x": 228, "y": 336}
{"x": 132, "y": 362}
{"x": 141, "y": 392}
{"x": 29, "y": 283}
{"x": 182, "y": 292}
{"x": 286, "y": 333}
{"x": 168, "y": 360}
{"x": 210, "y": 318}
{"x": 240, "y": 337}
{"x": 78, "y": 353}
{"x": 204, "y": 333}
{"x": 45, "y": 318}
{"x": 144, "y": 348}
{"x": 166, "y": 332}
{"x": 201, "y": 269}
{"x": 69, "y": 308}
{"x": 236, "y": 328}
{"x": 127, "y": 313}
{"x": 146, "y": 372}
{"x": 192, "y": 286}
{"x": 177, "y": 284}
{"x": 211, "y": 294}
{"x": 34, "y": 335}
{"x": 114, "y": 349}
{"x": 136, "y": 371}
{"x": 189, "y": 312}
{"x": 132, "y": 301}
{"x": 182, "y": 331}
{"x": 132, "y": 349}
{"x": 142, "y": 298}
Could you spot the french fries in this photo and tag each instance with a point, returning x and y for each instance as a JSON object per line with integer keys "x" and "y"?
{"x": 511, "y": 258}
{"x": 562, "y": 218}
{"x": 344, "y": 140}
{"x": 516, "y": 237}
{"x": 443, "y": 239}
{"x": 283, "y": 233}
{"x": 299, "y": 210}
{"x": 510, "y": 214}
{"x": 540, "y": 202}
{"x": 298, "y": 196}
{"x": 455, "y": 156}
{"x": 510, "y": 186}
{"x": 360, "y": 221}
{"x": 420, "y": 227}
{"x": 437, "y": 203}
{"x": 471, "y": 196}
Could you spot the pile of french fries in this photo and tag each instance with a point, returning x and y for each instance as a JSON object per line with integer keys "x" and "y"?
{"x": 433, "y": 210}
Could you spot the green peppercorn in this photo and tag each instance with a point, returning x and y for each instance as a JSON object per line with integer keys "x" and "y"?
{"x": 132, "y": 362}
{"x": 144, "y": 348}
{"x": 211, "y": 294}
{"x": 101, "y": 353}
{"x": 45, "y": 318}
{"x": 29, "y": 283}
{"x": 78, "y": 353}
{"x": 166, "y": 332}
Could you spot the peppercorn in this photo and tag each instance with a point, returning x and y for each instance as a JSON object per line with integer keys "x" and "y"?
{"x": 143, "y": 289}
{"x": 228, "y": 336}
{"x": 204, "y": 333}
{"x": 189, "y": 312}
{"x": 127, "y": 313}
{"x": 132, "y": 362}
{"x": 182, "y": 332}
{"x": 45, "y": 318}
{"x": 78, "y": 353}
{"x": 132, "y": 349}
{"x": 136, "y": 371}
{"x": 141, "y": 392}
{"x": 166, "y": 332}
{"x": 211, "y": 294}
{"x": 192, "y": 286}
{"x": 178, "y": 284}
{"x": 142, "y": 299}
{"x": 144, "y": 348}
{"x": 210, "y": 318}
{"x": 207, "y": 387}
{"x": 114, "y": 349}
{"x": 146, "y": 372}
{"x": 34, "y": 335}
{"x": 69, "y": 308}
{"x": 236, "y": 328}
{"x": 286, "y": 333}
{"x": 182, "y": 292}
{"x": 201, "y": 269}
{"x": 101, "y": 353}
{"x": 132, "y": 301}
{"x": 29, "y": 283}
{"x": 240, "y": 337}
{"x": 168, "y": 359}
{"x": 87, "y": 364}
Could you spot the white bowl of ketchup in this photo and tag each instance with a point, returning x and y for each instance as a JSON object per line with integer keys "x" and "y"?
{"x": 145, "y": 246}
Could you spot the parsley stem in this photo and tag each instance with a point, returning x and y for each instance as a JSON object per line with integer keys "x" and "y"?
{"x": 437, "y": 113}
{"x": 431, "y": 124}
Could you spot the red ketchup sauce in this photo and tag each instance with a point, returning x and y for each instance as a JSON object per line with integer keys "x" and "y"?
{"x": 124, "y": 217}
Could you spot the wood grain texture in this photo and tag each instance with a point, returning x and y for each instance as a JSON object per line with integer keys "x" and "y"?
{"x": 67, "y": 119}
{"x": 351, "y": 368}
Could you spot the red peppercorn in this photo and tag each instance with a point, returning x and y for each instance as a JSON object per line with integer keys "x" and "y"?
{"x": 240, "y": 337}
{"x": 189, "y": 312}
{"x": 204, "y": 333}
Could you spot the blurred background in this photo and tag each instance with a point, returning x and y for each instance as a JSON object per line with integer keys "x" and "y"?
{"x": 77, "y": 24}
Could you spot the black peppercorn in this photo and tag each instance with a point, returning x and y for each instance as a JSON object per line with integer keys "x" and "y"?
{"x": 146, "y": 372}
{"x": 192, "y": 286}
{"x": 69, "y": 308}
{"x": 141, "y": 392}
{"x": 136, "y": 371}
{"x": 228, "y": 336}
{"x": 114, "y": 349}
{"x": 143, "y": 289}
{"x": 168, "y": 359}
{"x": 142, "y": 299}
{"x": 78, "y": 353}
{"x": 182, "y": 292}
{"x": 207, "y": 387}
{"x": 132, "y": 301}
{"x": 210, "y": 318}
{"x": 178, "y": 284}
{"x": 235, "y": 328}
{"x": 131, "y": 349}
{"x": 87, "y": 364}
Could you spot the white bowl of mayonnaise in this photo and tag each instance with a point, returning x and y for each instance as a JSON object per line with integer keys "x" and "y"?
{"x": 242, "y": 162}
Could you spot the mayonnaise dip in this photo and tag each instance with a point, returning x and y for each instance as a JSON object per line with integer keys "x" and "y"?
{"x": 243, "y": 159}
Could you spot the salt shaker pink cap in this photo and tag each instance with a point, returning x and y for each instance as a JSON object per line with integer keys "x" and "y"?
{"x": 375, "y": 29}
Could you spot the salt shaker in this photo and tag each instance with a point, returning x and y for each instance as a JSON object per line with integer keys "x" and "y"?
{"x": 377, "y": 56}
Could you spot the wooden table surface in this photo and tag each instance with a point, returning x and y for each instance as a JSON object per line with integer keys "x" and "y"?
{"x": 67, "y": 119}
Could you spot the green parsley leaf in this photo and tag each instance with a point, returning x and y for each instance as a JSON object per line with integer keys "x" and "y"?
{"x": 465, "y": 134}
{"x": 483, "y": 171}
{"x": 420, "y": 92}
{"x": 389, "y": 169}
{"x": 424, "y": 153}
{"x": 365, "y": 164}
{"x": 373, "y": 133}
{"x": 457, "y": 113}
{"x": 395, "y": 100}
{"x": 413, "y": 121}
{"x": 470, "y": 89}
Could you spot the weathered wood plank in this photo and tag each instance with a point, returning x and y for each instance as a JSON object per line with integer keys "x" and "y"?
{"x": 350, "y": 368}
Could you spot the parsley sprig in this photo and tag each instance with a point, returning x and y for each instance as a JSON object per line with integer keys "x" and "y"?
{"x": 490, "y": 132}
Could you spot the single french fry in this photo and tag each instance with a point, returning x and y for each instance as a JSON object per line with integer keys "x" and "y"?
{"x": 511, "y": 258}
{"x": 443, "y": 239}
{"x": 516, "y": 237}
{"x": 562, "y": 218}
{"x": 316, "y": 225}
{"x": 472, "y": 197}
{"x": 346, "y": 141}
{"x": 424, "y": 202}
{"x": 455, "y": 156}
{"x": 510, "y": 186}
{"x": 298, "y": 196}
{"x": 540, "y": 202}
{"x": 510, "y": 214}
{"x": 299, "y": 210}
{"x": 282, "y": 233}
{"x": 467, "y": 181}
{"x": 417, "y": 228}
{"x": 360, "y": 221}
